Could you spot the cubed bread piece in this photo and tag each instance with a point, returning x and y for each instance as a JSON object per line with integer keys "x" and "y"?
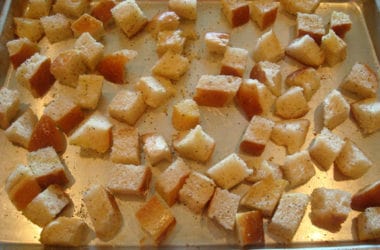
{"x": 306, "y": 51}
{"x": 288, "y": 216}
{"x": 112, "y": 66}
{"x": 104, "y": 212}
{"x": 185, "y": 114}
{"x": 47, "y": 167}
{"x": 264, "y": 195}
{"x": 335, "y": 109}
{"x": 9, "y": 106}
{"x": 265, "y": 169}
{"x": 20, "y": 50}
{"x": 196, "y": 192}
{"x": 155, "y": 90}
{"x": 194, "y": 144}
{"x": 269, "y": 74}
{"x": 171, "y": 65}
{"x": 367, "y": 115}
{"x": 129, "y": 180}
{"x": 129, "y": 17}
{"x": 268, "y": 48}
{"x": 351, "y": 161}
{"x": 46, "y": 205}
{"x": 38, "y": 8}
{"x": 303, "y": 6}
{"x": 167, "y": 20}
{"x": 264, "y": 12}
{"x": 102, "y": 10}
{"x": 362, "y": 81}
{"x": 250, "y": 228}
{"x": 29, "y": 28}
{"x": 126, "y": 146}
{"x": 94, "y": 133}
{"x": 20, "y": 131}
{"x": 170, "y": 40}
{"x": 127, "y": 106}
{"x": 366, "y": 197}
{"x": 340, "y": 22}
{"x": 325, "y": 147}
{"x": 90, "y": 24}
{"x": 34, "y": 74}
{"x": 234, "y": 62}
{"x": 334, "y": 47}
{"x": 171, "y": 181}
{"x": 66, "y": 231}
{"x": 65, "y": 113}
{"x": 310, "y": 24}
{"x": 57, "y": 27}
{"x": 292, "y": 104}
{"x": 216, "y": 90}
{"x": 257, "y": 135}
{"x": 236, "y": 12}
{"x": 368, "y": 224}
{"x": 22, "y": 186}
{"x": 217, "y": 42}
{"x": 298, "y": 168}
{"x": 156, "y": 149}
{"x": 71, "y": 8}
{"x": 229, "y": 172}
{"x": 156, "y": 219}
{"x": 223, "y": 208}
{"x": 89, "y": 91}
{"x": 184, "y": 8}
{"x": 307, "y": 78}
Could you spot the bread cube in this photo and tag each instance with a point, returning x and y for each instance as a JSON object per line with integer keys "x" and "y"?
{"x": 28, "y": 28}
{"x": 129, "y": 17}
{"x": 86, "y": 23}
{"x": 306, "y": 51}
{"x": 129, "y": 180}
{"x": 70, "y": 8}
{"x": 46, "y": 205}
{"x": 368, "y": 227}
{"x": 186, "y": 9}
{"x": 171, "y": 181}
{"x": 236, "y": 12}
{"x": 167, "y": 20}
{"x": 303, "y": 6}
{"x": 20, "y": 131}
{"x": 229, "y": 172}
{"x": 366, "y": 197}
{"x": 362, "y": 81}
{"x": 257, "y": 135}
{"x": 156, "y": 219}
{"x": 20, "y": 50}
{"x": 127, "y": 106}
{"x": 89, "y": 91}
{"x": 307, "y": 78}
{"x": 264, "y": 12}
{"x": 104, "y": 212}
{"x": 292, "y": 104}
{"x": 268, "y": 48}
{"x": 57, "y": 27}
{"x": 250, "y": 228}
{"x": 216, "y": 90}
{"x": 325, "y": 148}
{"x": 265, "y": 169}
{"x": 264, "y": 195}
{"x": 126, "y": 146}
{"x": 76, "y": 232}
{"x": 269, "y": 74}
{"x": 334, "y": 47}
{"x": 310, "y": 24}
{"x": 288, "y": 216}
{"x": 340, "y": 23}
{"x": 367, "y": 115}
{"x": 234, "y": 62}
{"x": 170, "y": 40}
{"x": 102, "y": 10}
{"x": 298, "y": 168}
{"x": 194, "y": 144}
{"x": 37, "y": 8}
{"x": 171, "y": 65}
{"x": 335, "y": 109}
{"x": 155, "y": 90}
{"x": 223, "y": 208}
{"x": 34, "y": 74}
{"x": 9, "y": 106}
{"x": 196, "y": 192}
{"x": 94, "y": 133}
{"x": 185, "y": 114}
{"x": 217, "y": 42}
{"x": 156, "y": 149}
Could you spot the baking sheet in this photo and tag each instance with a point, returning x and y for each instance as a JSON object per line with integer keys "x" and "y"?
{"x": 88, "y": 168}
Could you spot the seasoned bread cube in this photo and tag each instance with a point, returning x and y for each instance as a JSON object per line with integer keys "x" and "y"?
{"x": 292, "y": 104}
{"x": 184, "y": 8}
{"x": 38, "y": 8}
{"x": 234, "y": 62}
{"x": 155, "y": 147}
{"x": 310, "y": 24}
{"x": 340, "y": 23}
{"x": 325, "y": 147}
{"x": 167, "y": 20}
{"x": 265, "y": 169}
{"x": 56, "y": 27}
{"x": 20, "y": 50}
{"x": 362, "y": 81}
{"x": 216, "y": 90}
{"x": 20, "y": 131}
{"x": 88, "y": 91}
{"x": 268, "y": 48}
{"x": 223, "y": 208}
{"x": 172, "y": 180}
{"x": 171, "y": 65}
{"x": 303, "y": 6}
{"x": 126, "y": 147}
{"x": 170, "y": 40}
{"x": 102, "y": 10}
{"x": 250, "y": 228}
{"x": 236, "y": 12}
{"x": 22, "y": 186}
{"x": 71, "y": 8}
{"x": 288, "y": 216}
{"x": 368, "y": 226}
{"x": 127, "y": 106}
{"x": 264, "y": 195}
{"x": 366, "y": 197}
{"x": 75, "y": 234}
{"x": 94, "y": 133}
{"x": 156, "y": 219}
{"x": 86, "y": 23}
{"x": 129, "y": 17}
{"x": 229, "y": 172}
{"x": 298, "y": 168}
{"x": 185, "y": 114}
{"x": 367, "y": 115}
{"x": 34, "y": 74}
{"x": 269, "y": 74}
{"x": 155, "y": 90}
{"x": 104, "y": 212}
{"x": 307, "y": 78}
{"x": 334, "y": 47}
{"x": 46, "y": 205}
{"x": 196, "y": 192}
{"x": 9, "y": 106}
{"x": 217, "y": 42}
{"x": 28, "y": 28}
{"x": 129, "y": 180}
{"x": 256, "y": 135}
{"x": 306, "y": 51}
{"x": 264, "y": 12}
{"x": 335, "y": 109}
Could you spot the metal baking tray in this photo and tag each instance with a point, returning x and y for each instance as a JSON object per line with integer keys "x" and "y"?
{"x": 191, "y": 230}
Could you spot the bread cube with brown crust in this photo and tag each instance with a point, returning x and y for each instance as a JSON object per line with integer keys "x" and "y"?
{"x": 91, "y": 50}
{"x": 303, "y": 6}
{"x": 292, "y": 104}
{"x": 335, "y": 109}
{"x": 170, "y": 40}
{"x": 236, "y": 12}
{"x": 126, "y": 146}
{"x": 264, "y": 12}
{"x": 234, "y": 62}
{"x": 368, "y": 227}
{"x": 57, "y": 27}
{"x": 28, "y": 28}
{"x": 268, "y": 73}
{"x": 167, "y": 20}
{"x": 265, "y": 169}
{"x": 305, "y": 50}
{"x": 155, "y": 147}
{"x": 186, "y": 9}
{"x": 87, "y": 23}
{"x": 185, "y": 114}
{"x": 310, "y": 24}
{"x": 70, "y": 8}
{"x": 38, "y": 8}
{"x": 250, "y": 228}
{"x": 334, "y": 47}
{"x": 217, "y": 42}
{"x": 171, "y": 65}
{"x": 340, "y": 23}
{"x": 89, "y": 91}
{"x": 366, "y": 197}
{"x": 298, "y": 168}
{"x": 307, "y": 78}
{"x": 268, "y": 48}
{"x": 20, "y": 131}
{"x": 156, "y": 90}
{"x": 127, "y": 106}
{"x": 20, "y": 50}
{"x": 367, "y": 114}
{"x": 9, "y": 106}
{"x": 102, "y": 11}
